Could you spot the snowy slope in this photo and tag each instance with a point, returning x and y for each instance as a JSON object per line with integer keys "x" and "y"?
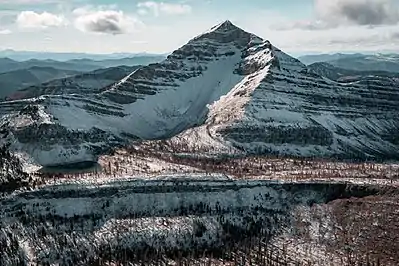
{"x": 287, "y": 109}
{"x": 73, "y": 223}
{"x": 225, "y": 90}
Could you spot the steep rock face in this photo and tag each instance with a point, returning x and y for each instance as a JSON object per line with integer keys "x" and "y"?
{"x": 295, "y": 113}
{"x": 226, "y": 89}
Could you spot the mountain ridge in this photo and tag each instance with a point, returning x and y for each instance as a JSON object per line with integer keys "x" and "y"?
{"x": 347, "y": 75}
{"x": 357, "y": 62}
{"x": 81, "y": 83}
{"x": 12, "y": 81}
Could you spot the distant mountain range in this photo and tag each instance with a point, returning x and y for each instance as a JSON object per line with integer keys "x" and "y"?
{"x": 128, "y": 61}
{"x": 84, "y": 84}
{"x": 82, "y": 65}
{"x": 21, "y": 78}
{"x": 358, "y": 62}
{"x": 347, "y": 75}
{"x": 7, "y": 65}
{"x": 15, "y": 75}
{"x": 28, "y": 55}
{"x": 310, "y": 59}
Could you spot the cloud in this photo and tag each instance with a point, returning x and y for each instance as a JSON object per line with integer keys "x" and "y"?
{"x": 353, "y": 38}
{"x": 7, "y": 18}
{"x": 357, "y": 12}
{"x": 159, "y": 8}
{"x": 369, "y": 40}
{"x": 5, "y": 32}
{"x": 33, "y": 20}
{"x": 303, "y": 25}
{"x": 28, "y": 2}
{"x": 336, "y": 13}
{"x": 105, "y": 21}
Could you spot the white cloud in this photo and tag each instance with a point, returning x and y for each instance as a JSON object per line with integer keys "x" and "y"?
{"x": 159, "y": 8}
{"x": 87, "y": 9}
{"x": 105, "y": 21}
{"x": 28, "y": 2}
{"x": 33, "y": 20}
{"x": 301, "y": 24}
{"x": 5, "y": 32}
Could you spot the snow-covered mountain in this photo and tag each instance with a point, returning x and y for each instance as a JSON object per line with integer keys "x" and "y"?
{"x": 226, "y": 89}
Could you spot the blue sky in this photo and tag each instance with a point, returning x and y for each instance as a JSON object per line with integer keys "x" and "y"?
{"x": 104, "y": 26}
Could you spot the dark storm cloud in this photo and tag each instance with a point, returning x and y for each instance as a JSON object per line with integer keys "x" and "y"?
{"x": 107, "y": 24}
{"x": 367, "y": 12}
{"x": 105, "y": 21}
{"x": 336, "y": 13}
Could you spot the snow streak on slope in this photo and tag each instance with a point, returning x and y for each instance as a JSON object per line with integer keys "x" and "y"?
{"x": 231, "y": 107}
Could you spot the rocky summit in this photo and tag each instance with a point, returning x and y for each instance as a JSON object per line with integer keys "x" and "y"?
{"x": 224, "y": 90}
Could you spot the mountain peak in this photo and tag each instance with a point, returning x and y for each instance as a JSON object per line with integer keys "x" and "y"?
{"x": 225, "y": 26}
{"x": 227, "y": 32}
